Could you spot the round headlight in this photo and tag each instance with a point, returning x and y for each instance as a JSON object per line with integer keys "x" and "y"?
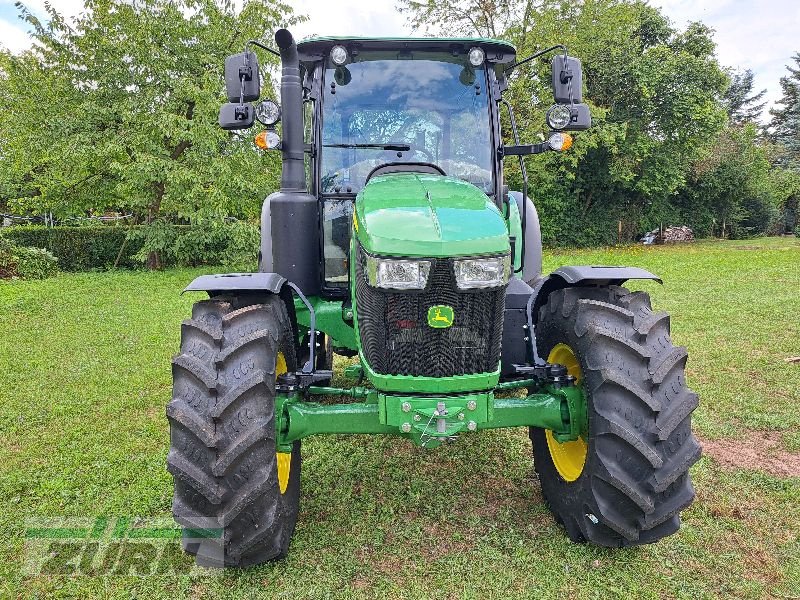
{"x": 268, "y": 113}
{"x": 476, "y": 56}
{"x": 339, "y": 55}
{"x": 558, "y": 116}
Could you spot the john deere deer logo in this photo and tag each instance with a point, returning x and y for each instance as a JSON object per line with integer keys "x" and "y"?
{"x": 440, "y": 316}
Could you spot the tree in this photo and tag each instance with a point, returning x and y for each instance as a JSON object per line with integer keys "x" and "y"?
{"x": 785, "y": 125}
{"x": 742, "y": 104}
{"x": 731, "y": 191}
{"x": 488, "y": 18}
{"x": 653, "y": 90}
{"x": 119, "y": 110}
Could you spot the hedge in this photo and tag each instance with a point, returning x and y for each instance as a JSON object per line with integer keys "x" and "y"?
{"x": 97, "y": 247}
{"x": 78, "y": 248}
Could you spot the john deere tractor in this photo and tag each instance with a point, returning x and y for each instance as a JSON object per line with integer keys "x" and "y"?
{"x": 394, "y": 240}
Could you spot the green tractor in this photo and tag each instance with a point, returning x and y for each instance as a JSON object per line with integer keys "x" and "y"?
{"x": 393, "y": 239}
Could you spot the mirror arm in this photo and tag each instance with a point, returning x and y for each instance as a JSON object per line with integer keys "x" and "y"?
{"x": 524, "y": 150}
{"x": 537, "y": 55}
{"x": 262, "y": 46}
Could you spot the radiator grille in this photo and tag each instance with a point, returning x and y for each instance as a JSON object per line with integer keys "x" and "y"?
{"x": 397, "y": 340}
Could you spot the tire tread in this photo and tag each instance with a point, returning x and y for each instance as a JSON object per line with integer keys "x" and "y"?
{"x": 641, "y": 447}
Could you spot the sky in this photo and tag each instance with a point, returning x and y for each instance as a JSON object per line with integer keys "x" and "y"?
{"x": 757, "y": 34}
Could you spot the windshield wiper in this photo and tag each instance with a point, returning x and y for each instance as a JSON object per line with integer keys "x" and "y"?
{"x": 391, "y": 146}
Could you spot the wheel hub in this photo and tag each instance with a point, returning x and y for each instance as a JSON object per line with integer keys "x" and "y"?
{"x": 284, "y": 459}
{"x": 568, "y": 457}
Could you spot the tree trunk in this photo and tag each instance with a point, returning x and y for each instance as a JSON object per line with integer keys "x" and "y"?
{"x": 153, "y": 259}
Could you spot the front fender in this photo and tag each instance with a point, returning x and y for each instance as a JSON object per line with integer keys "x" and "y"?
{"x": 582, "y": 275}
{"x": 249, "y": 286}
{"x": 237, "y": 282}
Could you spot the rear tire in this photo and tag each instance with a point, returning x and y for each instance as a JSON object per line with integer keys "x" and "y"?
{"x": 635, "y": 478}
{"x": 227, "y": 494}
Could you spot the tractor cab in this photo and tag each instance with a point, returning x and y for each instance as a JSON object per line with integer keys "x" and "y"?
{"x": 381, "y": 107}
{"x": 425, "y": 111}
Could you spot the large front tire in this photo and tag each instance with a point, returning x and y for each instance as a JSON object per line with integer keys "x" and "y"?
{"x": 235, "y": 497}
{"x": 626, "y": 483}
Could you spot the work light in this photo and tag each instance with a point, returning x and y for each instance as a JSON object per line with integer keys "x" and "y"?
{"x": 397, "y": 274}
{"x": 483, "y": 272}
{"x": 558, "y": 116}
{"x": 476, "y": 56}
{"x": 268, "y": 113}
{"x": 339, "y": 55}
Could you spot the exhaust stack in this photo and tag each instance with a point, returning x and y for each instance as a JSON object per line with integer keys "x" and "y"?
{"x": 293, "y": 176}
{"x": 290, "y": 217}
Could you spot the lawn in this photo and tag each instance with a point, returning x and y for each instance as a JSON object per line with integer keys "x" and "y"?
{"x": 85, "y": 376}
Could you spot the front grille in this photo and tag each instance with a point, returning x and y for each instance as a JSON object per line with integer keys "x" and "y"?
{"x": 397, "y": 340}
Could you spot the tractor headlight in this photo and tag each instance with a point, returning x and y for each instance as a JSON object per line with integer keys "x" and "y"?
{"x": 558, "y": 116}
{"x": 476, "y": 56}
{"x": 339, "y": 55}
{"x": 397, "y": 274}
{"x": 483, "y": 272}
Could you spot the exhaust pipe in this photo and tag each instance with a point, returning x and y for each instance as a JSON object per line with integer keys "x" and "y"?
{"x": 293, "y": 175}
{"x": 290, "y": 238}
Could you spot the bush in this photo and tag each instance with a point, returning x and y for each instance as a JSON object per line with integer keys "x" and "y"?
{"x": 25, "y": 262}
{"x": 90, "y": 248}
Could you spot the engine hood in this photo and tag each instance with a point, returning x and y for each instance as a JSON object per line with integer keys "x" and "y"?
{"x": 415, "y": 214}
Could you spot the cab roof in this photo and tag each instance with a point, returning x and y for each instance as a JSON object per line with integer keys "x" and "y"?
{"x": 315, "y": 48}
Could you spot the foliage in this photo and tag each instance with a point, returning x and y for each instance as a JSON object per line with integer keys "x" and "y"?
{"x": 119, "y": 110}
{"x": 673, "y": 138}
{"x": 25, "y": 262}
{"x": 730, "y": 191}
{"x": 78, "y": 248}
{"x": 203, "y": 243}
{"x": 742, "y": 104}
{"x": 785, "y": 125}
{"x": 93, "y": 248}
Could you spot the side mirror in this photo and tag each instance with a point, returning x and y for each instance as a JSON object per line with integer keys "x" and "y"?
{"x": 568, "y": 117}
{"x": 241, "y": 65}
{"x": 567, "y": 75}
{"x": 580, "y": 118}
{"x": 236, "y": 116}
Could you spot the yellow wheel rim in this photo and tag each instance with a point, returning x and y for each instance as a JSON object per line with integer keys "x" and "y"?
{"x": 284, "y": 458}
{"x": 568, "y": 457}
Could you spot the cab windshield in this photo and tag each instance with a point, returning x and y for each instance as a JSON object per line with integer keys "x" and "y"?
{"x": 385, "y": 108}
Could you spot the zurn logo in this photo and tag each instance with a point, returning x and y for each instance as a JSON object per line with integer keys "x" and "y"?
{"x": 440, "y": 316}
{"x": 104, "y": 547}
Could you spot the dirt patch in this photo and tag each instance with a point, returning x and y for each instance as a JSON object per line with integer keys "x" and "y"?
{"x": 759, "y": 450}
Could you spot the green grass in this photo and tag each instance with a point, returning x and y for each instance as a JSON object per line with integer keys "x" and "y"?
{"x": 85, "y": 375}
